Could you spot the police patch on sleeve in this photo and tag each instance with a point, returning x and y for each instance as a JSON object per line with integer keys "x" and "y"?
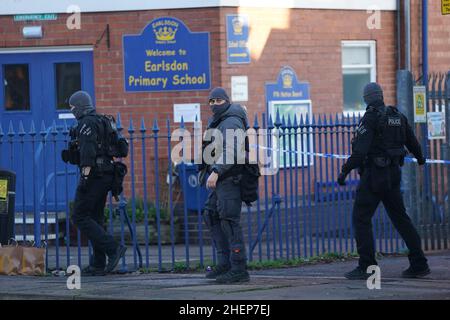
{"x": 361, "y": 129}
{"x": 85, "y": 130}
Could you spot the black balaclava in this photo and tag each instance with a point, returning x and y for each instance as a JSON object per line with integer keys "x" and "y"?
{"x": 373, "y": 94}
{"x": 219, "y": 93}
{"x": 82, "y": 103}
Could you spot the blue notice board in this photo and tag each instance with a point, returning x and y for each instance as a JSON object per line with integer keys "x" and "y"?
{"x": 237, "y": 39}
{"x": 287, "y": 87}
{"x": 166, "y": 56}
{"x": 289, "y": 99}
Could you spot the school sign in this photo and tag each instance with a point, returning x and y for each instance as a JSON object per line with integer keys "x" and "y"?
{"x": 166, "y": 56}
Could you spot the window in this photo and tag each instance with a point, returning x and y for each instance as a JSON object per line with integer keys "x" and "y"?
{"x": 16, "y": 86}
{"x": 358, "y": 69}
{"x": 299, "y": 108}
{"x": 68, "y": 81}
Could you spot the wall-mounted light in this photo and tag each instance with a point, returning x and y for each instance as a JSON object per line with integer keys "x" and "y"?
{"x": 32, "y": 32}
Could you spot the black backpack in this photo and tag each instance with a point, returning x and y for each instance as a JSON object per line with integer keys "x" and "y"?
{"x": 112, "y": 144}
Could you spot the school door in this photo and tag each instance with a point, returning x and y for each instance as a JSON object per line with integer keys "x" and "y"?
{"x": 36, "y": 88}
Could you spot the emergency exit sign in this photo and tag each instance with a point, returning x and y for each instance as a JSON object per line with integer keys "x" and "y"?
{"x": 35, "y": 17}
{"x": 445, "y": 6}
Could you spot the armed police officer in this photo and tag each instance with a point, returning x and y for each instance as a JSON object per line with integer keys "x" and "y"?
{"x": 223, "y": 206}
{"x": 97, "y": 175}
{"x": 378, "y": 151}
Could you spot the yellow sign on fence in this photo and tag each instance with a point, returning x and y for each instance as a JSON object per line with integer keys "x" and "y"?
{"x": 445, "y": 6}
{"x": 420, "y": 104}
{"x": 3, "y": 189}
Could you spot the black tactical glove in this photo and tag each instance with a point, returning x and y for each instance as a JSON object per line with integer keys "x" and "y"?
{"x": 341, "y": 179}
{"x": 65, "y": 155}
{"x": 83, "y": 185}
{"x": 421, "y": 161}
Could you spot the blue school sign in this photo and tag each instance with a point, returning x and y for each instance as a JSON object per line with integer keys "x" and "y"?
{"x": 237, "y": 39}
{"x": 166, "y": 56}
{"x": 287, "y": 87}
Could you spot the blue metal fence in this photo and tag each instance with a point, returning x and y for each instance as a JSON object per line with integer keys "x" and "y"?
{"x": 301, "y": 212}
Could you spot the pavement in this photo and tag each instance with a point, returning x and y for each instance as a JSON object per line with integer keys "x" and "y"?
{"x": 307, "y": 282}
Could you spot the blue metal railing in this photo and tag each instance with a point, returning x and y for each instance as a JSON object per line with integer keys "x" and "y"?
{"x": 301, "y": 212}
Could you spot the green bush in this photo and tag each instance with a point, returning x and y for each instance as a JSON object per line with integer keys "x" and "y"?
{"x": 164, "y": 213}
{"x": 151, "y": 211}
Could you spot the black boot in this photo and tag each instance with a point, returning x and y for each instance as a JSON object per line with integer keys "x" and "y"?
{"x": 93, "y": 271}
{"x": 357, "y": 274}
{"x": 416, "y": 272}
{"x": 233, "y": 276}
{"x": 114, "y": 259}
{"x": 217, "y": 271}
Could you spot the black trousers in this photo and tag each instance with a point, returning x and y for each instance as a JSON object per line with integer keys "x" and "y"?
{"x": 88, "y": 216}
{"x": 365, "y": 205}
{"x": 222, "y": 215}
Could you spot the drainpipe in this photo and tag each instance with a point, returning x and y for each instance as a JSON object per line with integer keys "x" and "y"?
{"x": 399, "y": 45}
{"x": 425, "y": 41}
{"x": 408, "y": 35}
{"x": 425, "y": 141}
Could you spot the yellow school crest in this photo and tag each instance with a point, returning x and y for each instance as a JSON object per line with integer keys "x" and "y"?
{"x": 165, "y": 31}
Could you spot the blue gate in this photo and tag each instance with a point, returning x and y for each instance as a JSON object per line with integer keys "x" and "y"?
{"x": 35, "y": 88}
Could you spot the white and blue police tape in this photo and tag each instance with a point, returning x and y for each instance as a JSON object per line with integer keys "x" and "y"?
{"x": 340, "y": 156}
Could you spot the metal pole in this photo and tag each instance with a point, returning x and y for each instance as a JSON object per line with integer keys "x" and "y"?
{"x": 408, "y": 35}
{"x": 425, "y": 141}
{"x": 404, "y": 103}
{"x": 399, "y": 47}
{"x": 425, "y": 41}
{"x": 447, "y": 142}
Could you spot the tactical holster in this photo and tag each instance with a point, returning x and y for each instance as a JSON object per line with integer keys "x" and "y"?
{"x": 380, "y": 175}
{"x": 234, "y": 171}
{"x": 381, "y": 162}
{"x": 103, "y": 165}
{"x": 397, "y": 156}
{"x": 120, "y": 171}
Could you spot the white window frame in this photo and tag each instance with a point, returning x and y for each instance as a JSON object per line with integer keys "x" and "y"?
{"x": 371, "y": 44}
{"x": 308, "y": 155}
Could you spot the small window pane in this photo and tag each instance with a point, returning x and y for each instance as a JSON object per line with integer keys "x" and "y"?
{"x": 355, "y": 55}
{"x": 354, "y": 82}
{"x": 68, "y": 80}
{"x": 16, "y": 84}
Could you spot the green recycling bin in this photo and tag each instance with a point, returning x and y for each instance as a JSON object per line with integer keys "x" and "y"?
{"x": 7, "y": 203}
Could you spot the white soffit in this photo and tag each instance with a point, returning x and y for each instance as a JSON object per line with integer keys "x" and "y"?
{"x": 15, "y": 7}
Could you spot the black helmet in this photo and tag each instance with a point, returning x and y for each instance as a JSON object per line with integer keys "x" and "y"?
{"x": 372, "y": 93}
{"x": 81, "y": 103}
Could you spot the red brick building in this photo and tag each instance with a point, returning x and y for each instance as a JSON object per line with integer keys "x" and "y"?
{"x": 335, "y": 46}
{"x": 309, "y": 36}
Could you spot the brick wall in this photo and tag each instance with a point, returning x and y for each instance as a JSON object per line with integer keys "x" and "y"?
{"x": 310, "y": 42}
{"x": 438, "y": 38}
{"x": 307, "y": 40}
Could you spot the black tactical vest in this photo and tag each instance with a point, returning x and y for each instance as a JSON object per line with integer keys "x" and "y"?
{"x": 102, "y": 141}
{"x": 390, "y": 135}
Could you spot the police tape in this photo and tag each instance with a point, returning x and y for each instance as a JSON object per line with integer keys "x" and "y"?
{"x": 339, "y": 156}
